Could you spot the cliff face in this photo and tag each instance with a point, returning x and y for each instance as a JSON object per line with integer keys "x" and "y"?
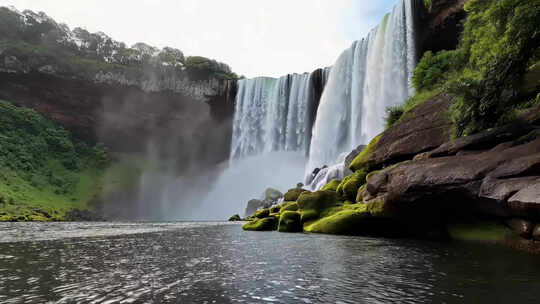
{"x": 126, "y": 97}
{"x": 126, "y": 118}
{"x": 440, "y": 26}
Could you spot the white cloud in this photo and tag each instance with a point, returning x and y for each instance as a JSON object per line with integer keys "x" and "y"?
{"x": 255, "y": 38}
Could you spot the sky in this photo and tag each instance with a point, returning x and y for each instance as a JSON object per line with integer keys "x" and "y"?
{"x": 254, "y": 37}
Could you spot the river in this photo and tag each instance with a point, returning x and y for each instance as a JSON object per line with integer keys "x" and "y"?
{"x": 220, "y": 263}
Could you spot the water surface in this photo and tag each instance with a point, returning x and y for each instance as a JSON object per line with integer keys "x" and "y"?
{"x": 220, "y": 263}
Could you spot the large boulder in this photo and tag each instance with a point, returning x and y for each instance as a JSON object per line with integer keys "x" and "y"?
{"x": 293, "y": 194}
{"x": 445, "y": 177}
{"x": 264, "y": 224}
{"x": 318, "y": 200}
{"x": 526, "y": 202}
{"x": 421, "y": 129}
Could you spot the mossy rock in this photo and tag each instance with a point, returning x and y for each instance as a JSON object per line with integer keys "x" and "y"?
{"x": 361, "y": 162}
{"x": 293, "y": 194}
{"x": 345, "y": 222}
{"x": 275, "y": 209}
{"x": 290, "y": 221}
{"x": 264, "y": 224}
{"x": 332, "y": 185}
{"x": 262, "y": 213}
{"x": 309, "y": 215}
{"x": 348, "y": 188}
{"x": 288, "y": 206}
{"x": 276, "y": 215}
{"x": 318, "y": 200}
{"x": 235, "y": 218}
{"x": 370, "y": 174}
{"x": 360, "y": 194}
{"x": 380, "y": 208}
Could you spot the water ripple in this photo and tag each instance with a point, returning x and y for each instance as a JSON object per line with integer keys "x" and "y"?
{"x": 219, "y": 263}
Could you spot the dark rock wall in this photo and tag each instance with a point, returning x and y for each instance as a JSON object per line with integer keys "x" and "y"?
{"x": 126, "y": 118}
{"x": 440, "y": 27}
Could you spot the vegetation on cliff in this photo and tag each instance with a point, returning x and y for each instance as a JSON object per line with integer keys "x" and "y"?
{"x": 43, "y": 172}
{"x": 35, "y": 41}
{"x": 494, "y": 72}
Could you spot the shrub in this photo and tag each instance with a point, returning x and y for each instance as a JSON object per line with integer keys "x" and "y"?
{"x": 500, "y": 41}
{"x": 433, "y": 69}
{"x": 393, "y": 114}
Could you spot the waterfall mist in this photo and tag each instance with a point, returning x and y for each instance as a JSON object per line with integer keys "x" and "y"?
{"x": 165, "y": 149}
{"x": 246, "y": 179}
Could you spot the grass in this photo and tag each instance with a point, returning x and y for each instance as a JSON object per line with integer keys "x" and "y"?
{"x": 31, "y": 200}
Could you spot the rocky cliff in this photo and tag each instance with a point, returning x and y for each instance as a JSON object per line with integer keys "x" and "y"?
{"x": 440, "y": 25}
{"x": 102, "y": 91}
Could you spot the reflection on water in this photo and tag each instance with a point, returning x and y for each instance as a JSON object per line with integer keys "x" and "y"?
{"x": 219, "y": 263}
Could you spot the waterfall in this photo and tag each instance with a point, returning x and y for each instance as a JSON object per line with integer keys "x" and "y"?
{"x": 373, "y": 74}
{"x": 274, "y": 115}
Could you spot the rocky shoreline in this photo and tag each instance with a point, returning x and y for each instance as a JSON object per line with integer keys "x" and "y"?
{"x": 414, "y": 181}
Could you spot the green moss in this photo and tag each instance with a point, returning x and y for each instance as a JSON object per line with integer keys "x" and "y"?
{"x": 332, "y": 185}
{"x": 379, "y": 208}
{"x": 484, "y": 232}
{"x": 360, "y": 162}
{"x": 264, "y": 224}
{"x": 344, "y": 222}
{"x": 318, "y": 200}
{"x": 290, "y": 221}
{"x": 288, "y": 206}
{"x": 360, "y": 194}
{"x": 348, "y": 188}
{"x": 293, "y": 194}
{"x": 309, "y": 215}
{"x": 262, "y": 213}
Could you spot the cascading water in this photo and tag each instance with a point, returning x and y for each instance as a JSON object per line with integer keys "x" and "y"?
{"x": 373, "y": 74}
{"x": 270, "y": 115}
{"x": 271, "y": 136}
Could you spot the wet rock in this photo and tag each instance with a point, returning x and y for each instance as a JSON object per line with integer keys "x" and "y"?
{"x": 519, "y": 166}
{"x": 526, "y": 202}
{"x": 484, "y": 140}
{"x": 290, "y": 221}
{"x": 264, "y": 224}
{"x": 252, "y": 207}
{"x": 522, "y": 227}
{"x": 293, "y": 194}
{"x": 500, "y": 190}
